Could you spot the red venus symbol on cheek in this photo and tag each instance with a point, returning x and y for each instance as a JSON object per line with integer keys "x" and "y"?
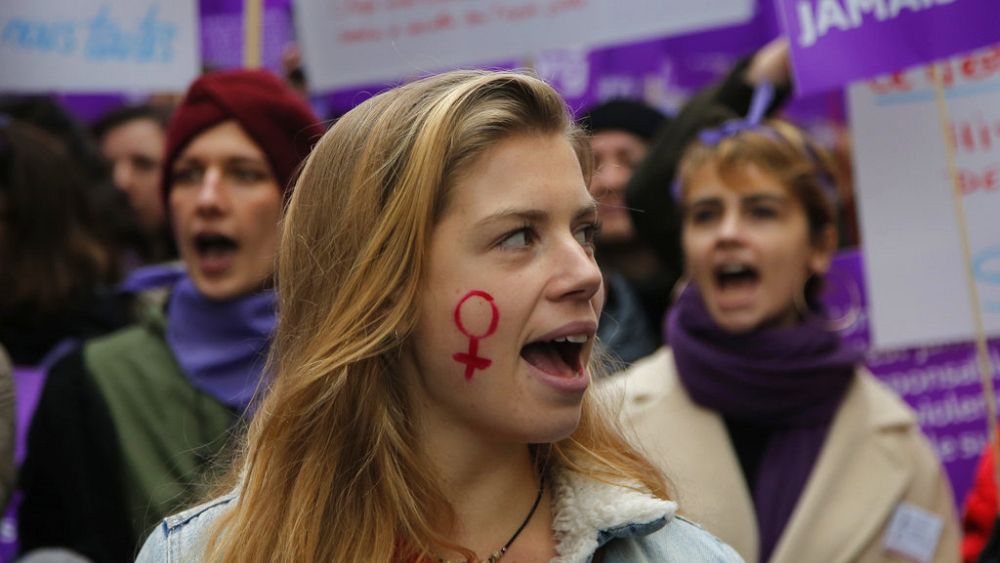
{"x": 471, "y": 358}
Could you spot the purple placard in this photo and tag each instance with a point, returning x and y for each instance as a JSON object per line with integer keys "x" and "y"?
{"x": 835, "y": 42}
{"x": 221, "y": 23}
{"x": 941, "y": 383}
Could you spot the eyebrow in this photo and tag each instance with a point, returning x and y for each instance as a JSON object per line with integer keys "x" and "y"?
{"x": 752, "y": 198}
{"x": 533, "y": 215}
{"x": 757, "y": 198}
{"x": 237, "y": 159}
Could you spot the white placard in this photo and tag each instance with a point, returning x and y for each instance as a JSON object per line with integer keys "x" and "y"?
{"x": 98, "y": 45}
{"x": 350, "y": 42}
{"x": 916, "y": 278}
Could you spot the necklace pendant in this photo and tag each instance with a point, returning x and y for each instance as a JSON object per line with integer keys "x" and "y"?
{"x": 497, "y": 555}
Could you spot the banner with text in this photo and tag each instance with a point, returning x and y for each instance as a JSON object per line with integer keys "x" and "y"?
{"x": 940, "y": 383}
{"x": 916, "y": 275}
{"x": 834, "y": 42}
{"x": 98, "y": 45}
{"x": 350, "y": 42}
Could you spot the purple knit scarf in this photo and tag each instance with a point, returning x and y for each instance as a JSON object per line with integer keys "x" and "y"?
{"x": 221, "y": 346}
{"x": 789, "y": 380}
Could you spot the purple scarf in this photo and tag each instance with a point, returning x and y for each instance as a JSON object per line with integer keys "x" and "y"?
{"x": 221, "y": 346}
{"x": 789, "y": 380}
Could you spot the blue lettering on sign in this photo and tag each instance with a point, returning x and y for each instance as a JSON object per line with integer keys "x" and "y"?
{"x": 47, "y": 37}
{"x": 152, "y": 42}
{"x": 986, "y": 267}
{"x": 106, "y": 40}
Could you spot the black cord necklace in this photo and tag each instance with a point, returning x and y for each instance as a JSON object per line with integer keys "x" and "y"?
{"x": 499, "y": 553}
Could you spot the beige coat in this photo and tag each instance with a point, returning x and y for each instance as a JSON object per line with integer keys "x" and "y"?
{"x": 874, "y": 458}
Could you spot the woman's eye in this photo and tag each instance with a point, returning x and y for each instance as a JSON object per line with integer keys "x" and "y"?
{"x": 144, "y": 164}
{"x": 247, "y": 175}
{"x": 520, "y": 238}
{"x": 587, "y": 234}
{"x": 763, "y": 212}
{"x": 701, "y": 216}
{"x": 187, "y": 176}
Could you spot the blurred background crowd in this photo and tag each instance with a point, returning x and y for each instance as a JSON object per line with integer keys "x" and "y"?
{"x": 127, "y": 365}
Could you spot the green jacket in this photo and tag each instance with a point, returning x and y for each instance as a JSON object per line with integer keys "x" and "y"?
{"x": 119, "y": 440}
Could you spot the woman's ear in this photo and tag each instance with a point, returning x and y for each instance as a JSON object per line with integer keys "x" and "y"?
{"x": 824, "y": 247}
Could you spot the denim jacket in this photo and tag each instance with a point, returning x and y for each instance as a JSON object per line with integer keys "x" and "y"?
{"x": 633, "y": 527}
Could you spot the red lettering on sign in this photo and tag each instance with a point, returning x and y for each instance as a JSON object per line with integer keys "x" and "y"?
{"x": 988, "y": 180}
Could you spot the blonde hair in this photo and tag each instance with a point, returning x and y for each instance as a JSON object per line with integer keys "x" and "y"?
{"x": 330, "y": 469}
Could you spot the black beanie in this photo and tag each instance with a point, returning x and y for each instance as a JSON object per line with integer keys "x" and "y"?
{"x": 631, "y": 116}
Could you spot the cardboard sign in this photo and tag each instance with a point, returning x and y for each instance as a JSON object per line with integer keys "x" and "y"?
{"x": 835, "y": 42}
{"x": 98, "y": 45}
{"x": 916, "y": 276}
{"x": 349, "y": 42}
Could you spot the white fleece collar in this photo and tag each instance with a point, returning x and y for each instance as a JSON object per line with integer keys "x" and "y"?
{"x": 584, "y": 507}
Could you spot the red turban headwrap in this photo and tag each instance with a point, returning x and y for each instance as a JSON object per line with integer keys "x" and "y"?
{"x": 278, "y": 120}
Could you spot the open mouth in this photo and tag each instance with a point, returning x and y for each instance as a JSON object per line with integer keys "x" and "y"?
{"x": 208, "y": 245}
{"x": 560, "y": 357}
{"x": 216, "y": 253}
{"x": 736, "y": 276}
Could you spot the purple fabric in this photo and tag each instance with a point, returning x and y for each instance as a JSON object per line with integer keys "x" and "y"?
{"x": 149, "y": 277}
{"x": 221, "y": 346}
{"x": 789, "y": 380}
{"x": 831, "y": 46}
{"x": 762, "y": 97}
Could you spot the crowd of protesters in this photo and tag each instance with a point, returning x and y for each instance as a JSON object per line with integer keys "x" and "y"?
{"x": 505, "y": 332}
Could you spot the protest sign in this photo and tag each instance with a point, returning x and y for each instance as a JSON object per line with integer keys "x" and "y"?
{"x": 835, "y": 42}
{"x": 916, "y": 275}
{"x": 98, "y": 45}
{"x": 221, "y": 24}
{"x": 940, "y": 383}
{"x": 350, "y": 42}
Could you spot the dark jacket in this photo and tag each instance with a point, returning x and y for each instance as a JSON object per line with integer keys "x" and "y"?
{"x": 119, "y": 440}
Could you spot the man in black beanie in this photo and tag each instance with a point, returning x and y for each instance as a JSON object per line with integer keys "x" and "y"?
{"x": 621, "y": 131}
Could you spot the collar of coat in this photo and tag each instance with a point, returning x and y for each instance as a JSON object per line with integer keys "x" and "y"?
{"x": 589, "y": 513}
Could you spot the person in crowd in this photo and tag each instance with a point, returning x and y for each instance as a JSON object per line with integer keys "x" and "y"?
{"x": 439, "y": 299}
{"x": 620, "y": 133}
{"x": 654, "y": 211}
{"x": 801, "y": 454}
{"x": 980, "y": 539}
{"x": 116, "y": 216}
{"x": 58, "y": 255}
{"x": 129, "y": 424}
{"x": 47, "y": 114}
{"x": 131, "y": 140}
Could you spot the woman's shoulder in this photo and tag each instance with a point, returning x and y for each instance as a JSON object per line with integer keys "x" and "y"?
{"x": 878, "y": 406}
{"x": 182, "y": 537}
{"x": 680, "y": 540}
{"x": 644, "y": 384}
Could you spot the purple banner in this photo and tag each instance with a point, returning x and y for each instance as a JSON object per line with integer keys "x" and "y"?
{"x": 221, "y": 24}
{"x": 662, "y": 72}
{"x": 835, "y": 42}
{"x": 941, "y": 383}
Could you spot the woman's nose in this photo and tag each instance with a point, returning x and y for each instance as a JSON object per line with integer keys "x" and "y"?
{"x": 577, "y": 275}
{"x": 211, "y": 192}
{"x": 121, "y": 175}
{"x": 730, "y": 227}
